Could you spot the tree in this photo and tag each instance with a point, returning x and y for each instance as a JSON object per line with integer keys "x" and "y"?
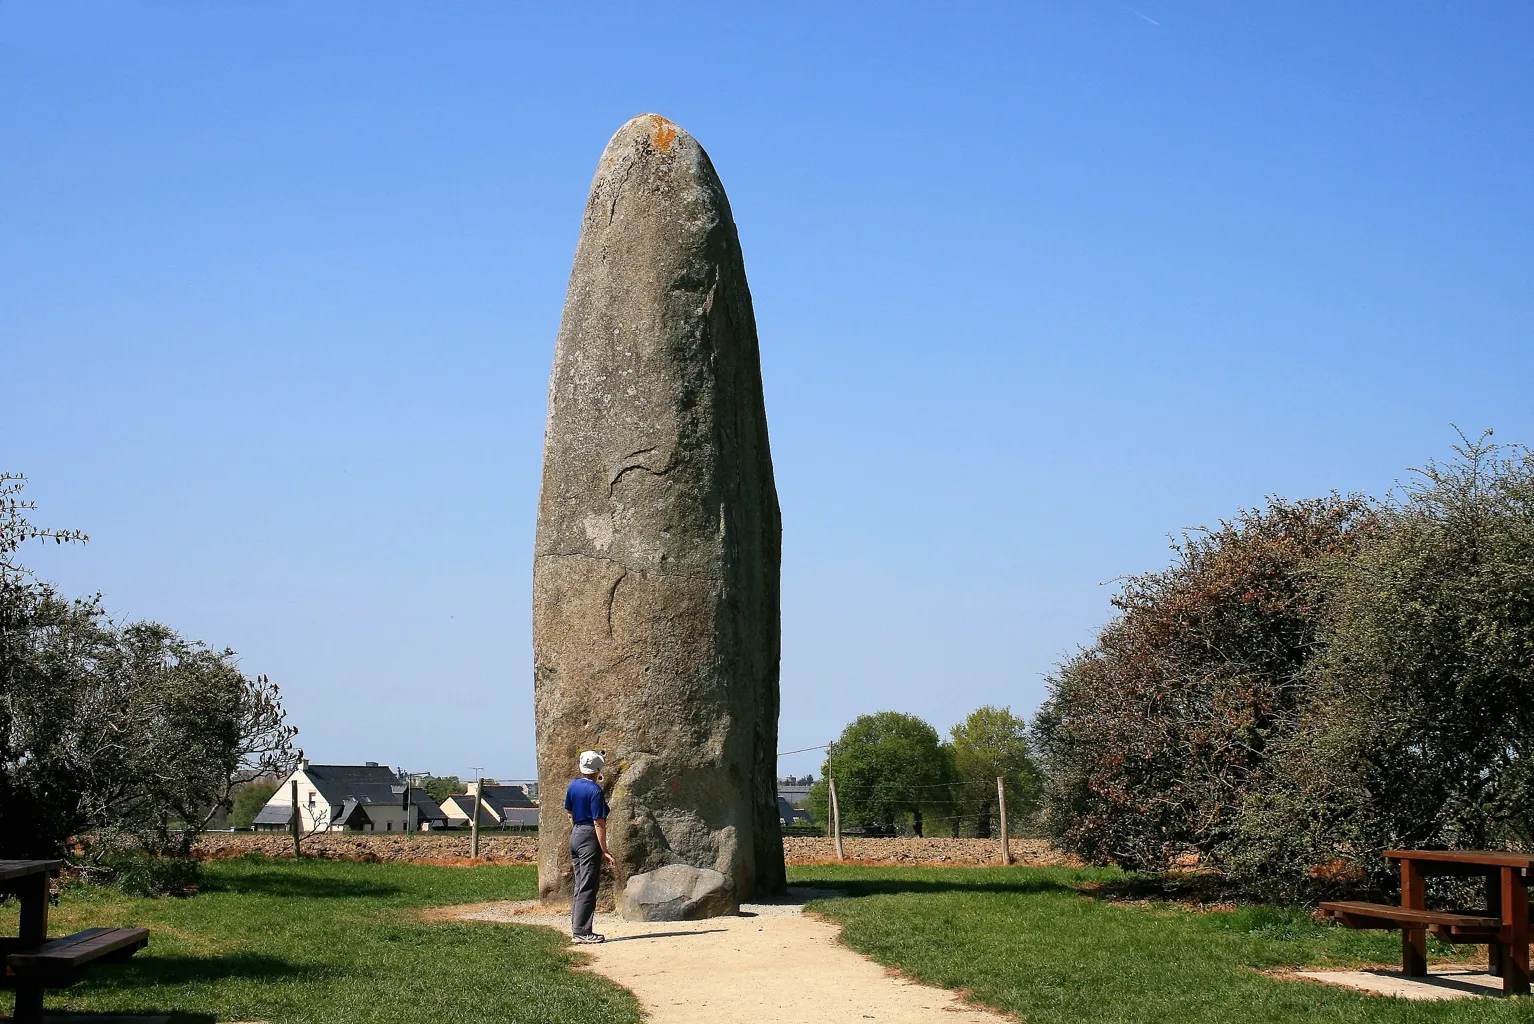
{"x": 992, "y": 743}
{"x": 248, "y": 801}
{"x": 130, "y": 736}
{"x": 16, "y": 530}
{"x": 888, "y": 767}
{"x": 439, "y": 788}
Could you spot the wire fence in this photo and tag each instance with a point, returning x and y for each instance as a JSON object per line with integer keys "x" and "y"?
{"x": 958, "y": 808}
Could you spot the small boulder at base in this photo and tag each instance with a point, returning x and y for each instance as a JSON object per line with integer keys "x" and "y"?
{"x": 677, "y": 892}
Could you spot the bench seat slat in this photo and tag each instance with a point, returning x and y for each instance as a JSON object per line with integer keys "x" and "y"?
{"x": 79, "y": 949}
{"x": 1396, "y": 917}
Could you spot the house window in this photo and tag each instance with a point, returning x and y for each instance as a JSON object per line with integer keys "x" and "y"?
{"x": 388, "y": 826}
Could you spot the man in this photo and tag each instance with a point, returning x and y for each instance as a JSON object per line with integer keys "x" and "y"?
{"x": 587, "y": 808}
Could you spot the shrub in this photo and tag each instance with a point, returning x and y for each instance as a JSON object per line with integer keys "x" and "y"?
{"x": 1420, "y": 727}
{"x": 1310, "y": 685}
{"x": 1154, "y": 738}
{"x": 143, "y": 875}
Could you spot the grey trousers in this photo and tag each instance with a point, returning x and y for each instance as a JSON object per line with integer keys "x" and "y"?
{"x": 586, "y": 859}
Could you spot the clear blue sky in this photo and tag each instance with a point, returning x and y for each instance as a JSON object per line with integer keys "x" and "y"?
{"x": 1037, "y": 284}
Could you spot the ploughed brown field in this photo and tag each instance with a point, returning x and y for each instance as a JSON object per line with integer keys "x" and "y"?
{"x": 453, "y": 848}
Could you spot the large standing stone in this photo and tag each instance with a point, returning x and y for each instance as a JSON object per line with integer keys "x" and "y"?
{"x": 655, "y": 575}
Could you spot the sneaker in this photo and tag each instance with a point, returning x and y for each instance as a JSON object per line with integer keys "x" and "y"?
{"x": 592, "y": 937}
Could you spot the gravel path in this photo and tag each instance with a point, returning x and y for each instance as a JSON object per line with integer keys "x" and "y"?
{"x": 772, "y": 963}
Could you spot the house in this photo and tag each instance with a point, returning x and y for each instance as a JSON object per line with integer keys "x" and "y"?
{"x": 500, "y": 806}
{"x": 357, "y": 798}
{"x": 788, "y": 814}
{"x": 795, "y": 791}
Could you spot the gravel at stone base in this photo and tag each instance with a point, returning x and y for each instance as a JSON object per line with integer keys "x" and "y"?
{"x": 453, "y": 848}
{"x": 771, "y": 963}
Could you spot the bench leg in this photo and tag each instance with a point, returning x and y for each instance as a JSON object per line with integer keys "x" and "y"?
{"x": 1494, "y": 949}
{"x": 29, "y": 1003}
{"x": 1413, "y": 940}
{"x": 1414, "y": 952}
{"x": 1515, "y": 912}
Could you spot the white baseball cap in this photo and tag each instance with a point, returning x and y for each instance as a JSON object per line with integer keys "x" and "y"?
{"x": 592, "y": 762}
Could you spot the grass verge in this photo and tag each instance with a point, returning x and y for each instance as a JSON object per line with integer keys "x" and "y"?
{"x": 1029, "y": 942}
{"x": 324, "y": 942}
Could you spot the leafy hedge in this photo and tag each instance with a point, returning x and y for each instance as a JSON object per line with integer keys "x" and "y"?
{"x": 1310, "y": 684}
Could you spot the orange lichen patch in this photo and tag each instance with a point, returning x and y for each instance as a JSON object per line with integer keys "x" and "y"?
{"x": 665, "y": 133}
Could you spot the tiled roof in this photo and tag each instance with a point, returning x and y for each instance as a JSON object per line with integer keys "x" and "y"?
{"x": 274, "y": 814}
{"x": 366, "y": 784}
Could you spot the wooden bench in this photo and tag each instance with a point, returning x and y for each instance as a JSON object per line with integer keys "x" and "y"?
{"x": 61, "y": 962}
{"x": 1503, "y": 927}
{"x": 1447, "y": 925}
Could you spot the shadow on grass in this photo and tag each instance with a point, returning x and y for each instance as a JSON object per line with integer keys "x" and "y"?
{"x": 1200, "y": 887}
{"x": 116, "y": 1016}
{"x": 1188, "y": 888}
{"x": 181, "y": 970}
{"x": 856, "y": 887}
{"x": 301, "y": 886}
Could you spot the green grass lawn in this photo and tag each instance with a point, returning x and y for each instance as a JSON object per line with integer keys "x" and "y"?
{"x": 1027, "y": 941}
{"x": 324, "y": 943}
{"x": 321, "y": 942}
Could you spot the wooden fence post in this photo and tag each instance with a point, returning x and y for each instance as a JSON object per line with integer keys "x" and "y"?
{"x": 836, "y": 818}
{"x": 479, "y": 785}
{"x": 297, "y": 852}
{"x": 1001, "y": 802}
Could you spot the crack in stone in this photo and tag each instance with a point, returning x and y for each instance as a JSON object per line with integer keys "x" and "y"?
{"x": 613, "y": 483}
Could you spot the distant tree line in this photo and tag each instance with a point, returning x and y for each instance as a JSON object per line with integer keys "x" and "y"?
{"x": 1309, "y": 684}
{"x": 893, "y": 772}
{"x": 115, "y": 739}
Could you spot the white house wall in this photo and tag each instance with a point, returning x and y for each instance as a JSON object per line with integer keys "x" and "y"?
{"x": 385, "y": 817}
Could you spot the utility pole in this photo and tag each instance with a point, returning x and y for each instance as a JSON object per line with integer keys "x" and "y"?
{"x": 836, "y": 811}
{"x": 836, "y": 819}
{"x": 294, "y": 823}
{"x": 1001, "y": 802}
{"x": 479, "y": 785}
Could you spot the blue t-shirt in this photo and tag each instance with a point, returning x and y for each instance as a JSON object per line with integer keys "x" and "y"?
{"x": 585, "y": 802}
